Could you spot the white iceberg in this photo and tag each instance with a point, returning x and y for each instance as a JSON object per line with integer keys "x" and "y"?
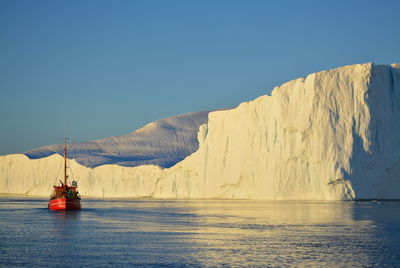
{"x": 333, "y": 135}
{"x": 163, "y": 142}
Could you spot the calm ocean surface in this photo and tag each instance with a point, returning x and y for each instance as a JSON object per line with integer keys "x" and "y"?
{"x": 199, "y": 233}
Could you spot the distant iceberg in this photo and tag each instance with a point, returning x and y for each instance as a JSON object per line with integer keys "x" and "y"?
{"x": 333, "y": 135}
{"x": 163, "y": 143}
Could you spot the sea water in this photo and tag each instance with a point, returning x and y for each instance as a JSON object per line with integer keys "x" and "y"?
{"x": 199, "y": 233}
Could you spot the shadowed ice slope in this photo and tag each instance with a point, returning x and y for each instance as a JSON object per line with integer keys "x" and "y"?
{"x": 163, "y": 142}
{"x": 333, "y": 135}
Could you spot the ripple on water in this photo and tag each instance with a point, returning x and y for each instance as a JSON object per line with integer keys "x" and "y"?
{"x": 198, "y": 233}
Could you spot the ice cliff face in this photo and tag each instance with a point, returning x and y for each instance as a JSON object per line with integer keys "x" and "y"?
{"x": 164, "y": 143}
{"x": 333, "y": 135}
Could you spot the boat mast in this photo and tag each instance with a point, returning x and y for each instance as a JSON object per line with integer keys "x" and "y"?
{"x": 65, "y": 161}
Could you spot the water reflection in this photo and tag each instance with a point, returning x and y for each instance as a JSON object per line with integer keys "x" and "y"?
{"x": 66, "y": 215}
{"x": 214, "y": 233}
{"x": 288, "y": 233}
{"x": 202, "y": 233}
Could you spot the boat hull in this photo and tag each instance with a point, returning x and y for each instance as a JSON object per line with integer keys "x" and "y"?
{"x": 64, "y": 204}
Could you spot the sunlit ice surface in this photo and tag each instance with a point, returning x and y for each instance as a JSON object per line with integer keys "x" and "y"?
{"x": 199, "y": 233}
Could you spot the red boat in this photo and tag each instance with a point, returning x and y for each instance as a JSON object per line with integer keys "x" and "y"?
{"x": 65, "y": 197}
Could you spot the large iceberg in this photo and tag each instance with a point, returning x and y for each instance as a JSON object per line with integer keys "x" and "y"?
{"x": 333, "y": 135}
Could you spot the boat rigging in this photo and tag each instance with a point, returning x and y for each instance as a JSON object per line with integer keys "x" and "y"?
{"x": 65, "y": 197}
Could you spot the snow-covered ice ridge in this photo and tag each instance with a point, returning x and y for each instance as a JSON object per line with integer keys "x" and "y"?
{"x": 164, "y": 143}
{"x": 333, "y": 135}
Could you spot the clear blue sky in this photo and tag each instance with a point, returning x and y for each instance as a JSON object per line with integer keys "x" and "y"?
{"x": 109, "y": 67}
